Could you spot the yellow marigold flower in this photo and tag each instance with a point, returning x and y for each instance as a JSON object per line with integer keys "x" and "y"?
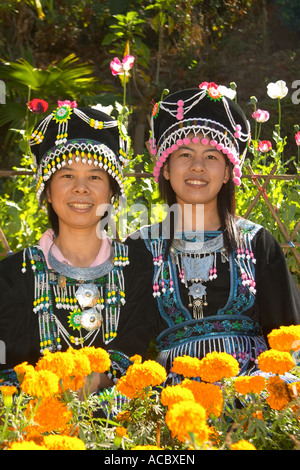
{"x": 243, "y": 445}
{"x": 69, "y": 366}
{"x": 249, "y": 384}
{"x": 186, "y": 366}
{"x": 137, "y": 359}
{"x": 22, "y": 369}
{"x": 187, "y": 417}
{"x": 8, "y": 390}
{"x": 43, "y": 384}
{"x": 26, "y": 445}
{"x": 99, "y": 358}
{"x": 51, "y": 415}
{"x": 174, "y": 394}
{"x": 146, "y": 447}
{"x": 55, "y": 442}
{"x": 276, "y": 362}
{"x": 285, "y": 338}
{"x": 216, "y": 366}
{"x": 208, "y": 395}
{"x": 279, "y": 394}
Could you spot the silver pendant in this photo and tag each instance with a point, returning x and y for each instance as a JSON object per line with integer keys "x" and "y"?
{"x": 87, "y": 295}
{"x": 197, "y": 290}
{"x": 90, "y": 319}
{"x": 197, "y": 268}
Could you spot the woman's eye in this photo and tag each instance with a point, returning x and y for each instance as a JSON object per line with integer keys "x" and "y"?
{"x": 211, "y": 157}
{"x": 67, "y": 175}
{"x": 185, "y": 155}
{"x": 95, "y": 177}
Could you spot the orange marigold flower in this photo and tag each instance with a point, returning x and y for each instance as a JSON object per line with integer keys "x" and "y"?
{"x": 187, "y": 417}
{"x": 210, "y": 396}
{"x": 216, "y": 366}
{"x": 43, "y": 384}
{"x": 243, "y": 445}
{"x": 51, "y": 415}
{"x": 249, "y": 384}
{"x": 279, "y": 395}
{"x": 174, "y": 394}
{"x": 285, "y": 338}
{"x": 125, "y": 387}
{"x": 55, "y": 442}
{"x": 8, "y": 390}
{"x": 99, "y": 358}
{"x": 121, "y": 431}
{"x": 258, "y": 414}
{"x": 276, "y": 362}
{"x": 186, "y": 366}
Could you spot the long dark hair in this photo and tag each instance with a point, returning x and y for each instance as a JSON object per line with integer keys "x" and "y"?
{"x": 226, "y": 209}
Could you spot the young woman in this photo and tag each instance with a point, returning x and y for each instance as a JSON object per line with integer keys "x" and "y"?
{"x": 220, "y": 282}
{"x": 68, "y": 290}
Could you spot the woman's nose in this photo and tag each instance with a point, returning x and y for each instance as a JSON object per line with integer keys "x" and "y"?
{"x": 197, "y": 164}
{"x": 80, "y": 185}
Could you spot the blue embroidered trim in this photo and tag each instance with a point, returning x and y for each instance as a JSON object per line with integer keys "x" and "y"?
{"x": 228, "y": 321}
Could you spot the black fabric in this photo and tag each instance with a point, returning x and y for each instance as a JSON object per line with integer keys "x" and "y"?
{"x": 19, "y": 324}
{"x": 277, "y": 300}
{"x": 206, "y": 108}
{"x": 78, "y": 129}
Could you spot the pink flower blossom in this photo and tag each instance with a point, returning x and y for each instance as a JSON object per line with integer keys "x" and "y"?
{"x": 297, "y": 138}
{"x": 72, "y": 104}
{"x": 264, "y": 146}
{"x": 261, "y": 115}
{"x": 122, "y": 68}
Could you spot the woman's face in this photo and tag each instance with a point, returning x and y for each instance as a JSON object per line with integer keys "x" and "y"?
{"x": 76, "y": 193}
{"x": 196, "y": 173}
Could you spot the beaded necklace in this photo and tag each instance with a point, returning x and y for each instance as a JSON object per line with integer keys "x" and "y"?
{"x": 91, "y": 298}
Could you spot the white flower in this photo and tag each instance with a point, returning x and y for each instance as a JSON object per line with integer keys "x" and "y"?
{"x": 228, "y": 92}
{"x": 277, "y": 90}
{"x": 104, "y": 109}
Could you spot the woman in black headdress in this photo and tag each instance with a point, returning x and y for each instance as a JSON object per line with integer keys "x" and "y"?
{"x": 220, "y": 282}
{"x": 68, "y": 290}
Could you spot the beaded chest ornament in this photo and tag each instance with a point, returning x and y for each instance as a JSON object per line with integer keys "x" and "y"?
{"x": 90, "y": 297}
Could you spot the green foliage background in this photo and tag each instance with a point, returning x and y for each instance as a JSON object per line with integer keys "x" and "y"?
{"x": 61, "y": 50}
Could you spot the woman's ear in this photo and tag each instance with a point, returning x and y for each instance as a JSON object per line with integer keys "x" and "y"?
{"x": 47, "y": 193}
{"x": 166, "y": 172}
{"x": 227, "y": 174}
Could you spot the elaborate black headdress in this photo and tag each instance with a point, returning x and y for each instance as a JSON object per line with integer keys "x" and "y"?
{"x": 78, "y": 134}
{"x": 207, "y": 115}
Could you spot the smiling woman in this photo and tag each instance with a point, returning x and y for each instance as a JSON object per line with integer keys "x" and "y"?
{"x": 69, "y": 289}
{"x": 220, "y": 282}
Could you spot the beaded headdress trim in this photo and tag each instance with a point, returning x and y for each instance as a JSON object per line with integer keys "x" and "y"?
{"x": 89, "y": 152}
{"x": 212, "y": 132}
{"x": 86, "y": 150}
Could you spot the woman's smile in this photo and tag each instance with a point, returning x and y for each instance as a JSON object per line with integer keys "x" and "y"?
{"x": 80, "y": 206}
{"x": 196, "y": 183}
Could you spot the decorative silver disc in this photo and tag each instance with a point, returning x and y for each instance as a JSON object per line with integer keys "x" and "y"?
{"x": 90, "y": 319}
{"x": 87, "y": 295}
